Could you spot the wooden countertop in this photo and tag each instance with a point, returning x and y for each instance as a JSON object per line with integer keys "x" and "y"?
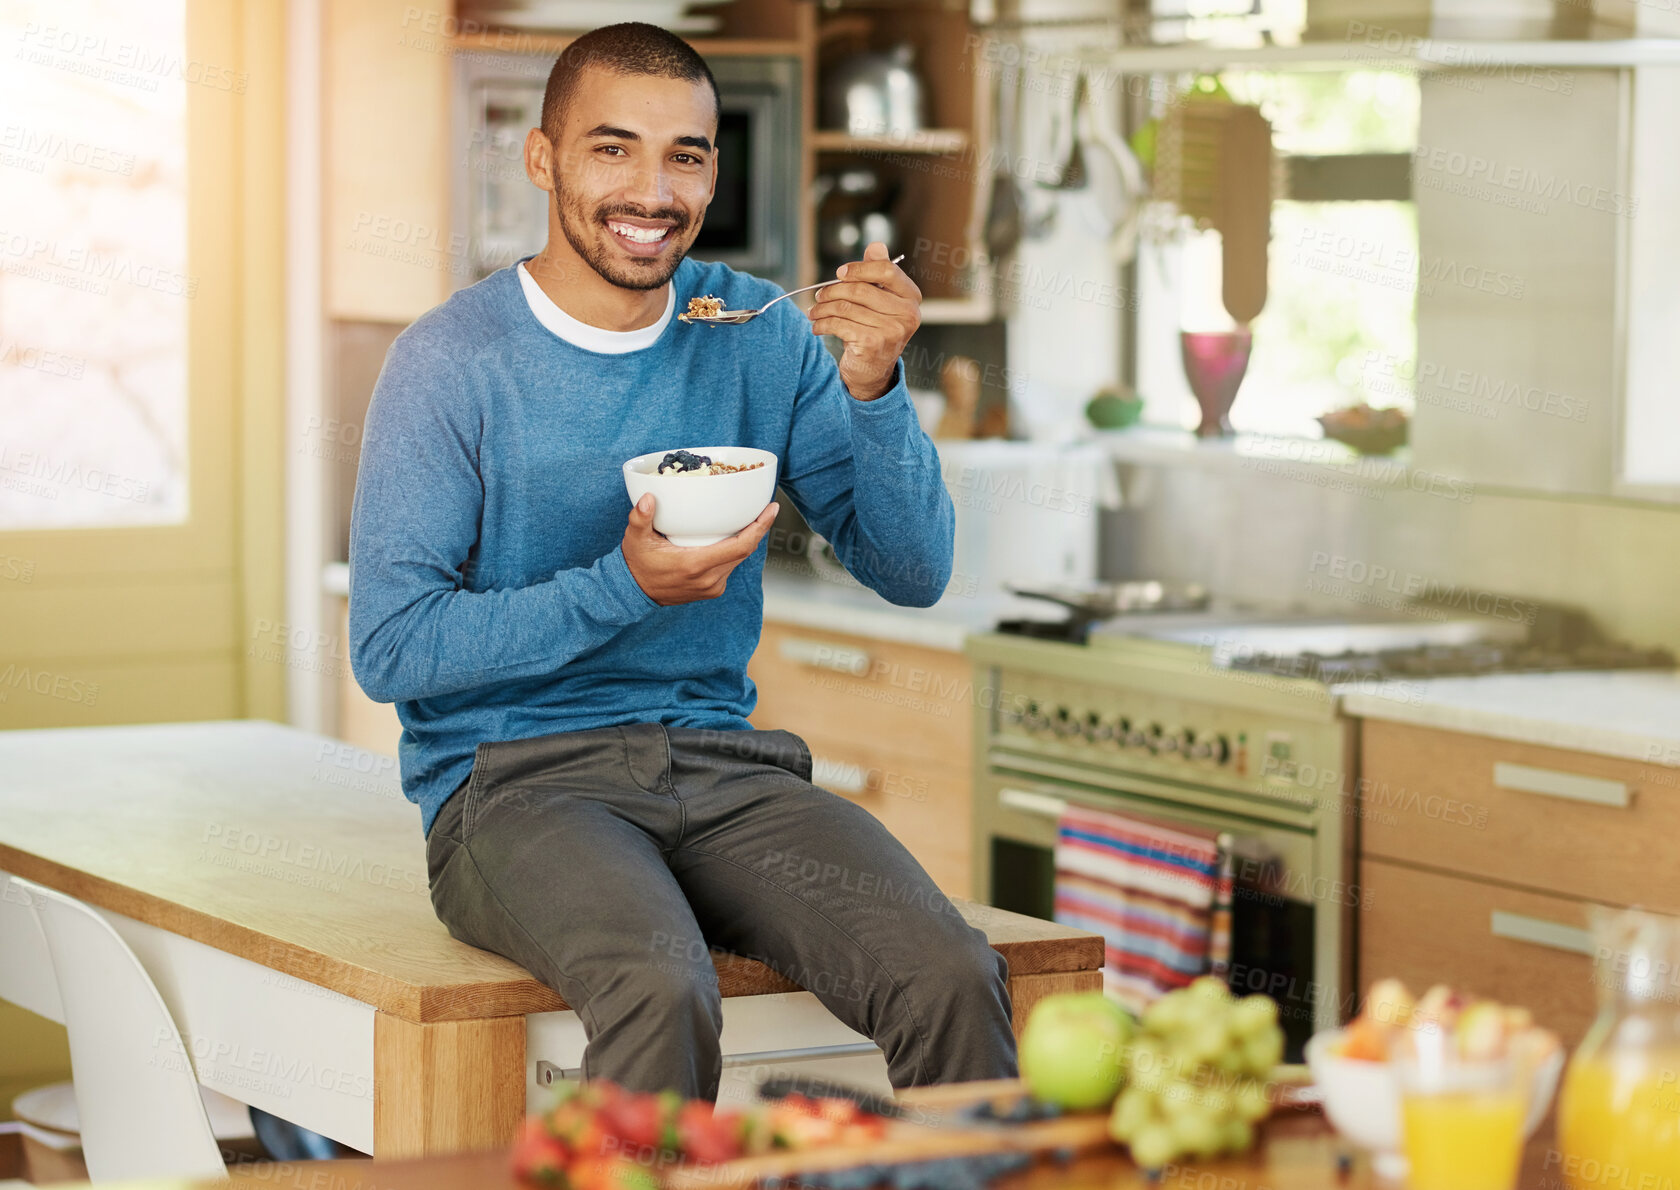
{"x": 301, "y": 853}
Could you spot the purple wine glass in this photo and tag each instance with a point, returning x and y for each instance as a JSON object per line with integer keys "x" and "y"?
{"x": 1215, "y": 363}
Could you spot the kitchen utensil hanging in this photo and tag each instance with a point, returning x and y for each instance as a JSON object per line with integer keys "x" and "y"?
{"x": 1003, "y": 211}
{"x": 1067, "y": 164}
{"x": 1116, "y": 176}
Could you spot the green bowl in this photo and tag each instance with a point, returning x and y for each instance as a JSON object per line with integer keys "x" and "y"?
{"x": 1109, "y": 410}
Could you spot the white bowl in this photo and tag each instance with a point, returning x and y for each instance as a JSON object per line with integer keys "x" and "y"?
{"x": 1362, "y": 1098}
{"x": 703, "y": 509}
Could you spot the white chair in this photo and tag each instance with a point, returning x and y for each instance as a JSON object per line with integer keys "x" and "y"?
{"x": 138, "y": 1100}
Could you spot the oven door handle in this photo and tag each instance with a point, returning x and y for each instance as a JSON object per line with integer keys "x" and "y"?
{"x": 1040, "y": 805}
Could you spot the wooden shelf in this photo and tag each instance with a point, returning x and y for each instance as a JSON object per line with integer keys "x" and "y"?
{"x": 1429, "y": 53}
{"x": 935, "y": 141}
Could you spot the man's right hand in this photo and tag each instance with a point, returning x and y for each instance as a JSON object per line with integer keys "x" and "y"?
{"x": 671, "y": 574}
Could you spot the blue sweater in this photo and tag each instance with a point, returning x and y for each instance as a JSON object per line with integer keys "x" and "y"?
{"x": 489, "y": 595}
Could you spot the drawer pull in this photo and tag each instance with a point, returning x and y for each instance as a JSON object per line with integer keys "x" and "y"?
{"x": 839, "y": 776}
{"x": 1551, "y": 783}
{"x": 1041, "y": 805}
{"x": 841, "y": 658}
{"x": 1519, "y": 927}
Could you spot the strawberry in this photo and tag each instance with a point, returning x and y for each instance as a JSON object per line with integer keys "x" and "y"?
{"x": 538, "y": 1156}
{"x": 706, "y": 1134}
{"x": 637, "y": 1120}
{"x": 580, "y": 1127}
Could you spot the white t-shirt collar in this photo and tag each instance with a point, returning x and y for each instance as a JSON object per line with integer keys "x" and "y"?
{"x": 592, "y": 338}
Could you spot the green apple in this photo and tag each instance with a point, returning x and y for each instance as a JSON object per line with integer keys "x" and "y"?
{"x": 1070, "y": 1049}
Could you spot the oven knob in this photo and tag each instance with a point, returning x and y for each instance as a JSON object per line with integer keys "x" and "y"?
{"x": 1153, "y": 736}
{"x": 1031, "y": 719}
{"x": 1065, "y": 724}
{"x": 1096, "y": 730}
{"x": 1136, "y": 737}
{"x": 1166, "y": 745}
{"x": 1217, "y": 749}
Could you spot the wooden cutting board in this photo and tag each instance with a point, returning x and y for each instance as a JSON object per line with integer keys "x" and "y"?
{"x": 910, "y": 1140}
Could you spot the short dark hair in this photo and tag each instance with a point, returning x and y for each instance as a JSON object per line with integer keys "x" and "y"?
{"x": 629, "y": 48}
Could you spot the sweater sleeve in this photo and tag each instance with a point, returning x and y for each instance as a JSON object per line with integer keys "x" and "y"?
{"x": 415, "y": 630}
{"x": 866, "y": 476}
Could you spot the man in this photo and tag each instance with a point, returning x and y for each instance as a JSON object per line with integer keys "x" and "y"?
{"x": 572, "y": 686}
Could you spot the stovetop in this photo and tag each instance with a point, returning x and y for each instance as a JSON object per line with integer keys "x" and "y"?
{"x": 1338, "y": 650}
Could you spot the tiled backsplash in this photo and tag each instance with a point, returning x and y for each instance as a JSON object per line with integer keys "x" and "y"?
{"x": 1274, "y": 538}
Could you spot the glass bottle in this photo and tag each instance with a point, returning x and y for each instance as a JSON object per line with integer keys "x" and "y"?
{"x": 1619, "y": 1113}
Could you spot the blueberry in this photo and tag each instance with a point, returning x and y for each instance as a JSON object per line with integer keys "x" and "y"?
{"x": 682, "y": 460}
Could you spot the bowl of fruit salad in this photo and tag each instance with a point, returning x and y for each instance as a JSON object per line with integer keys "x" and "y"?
{"x": 1354, "y": 1067}
{"x": 703, "y": 494}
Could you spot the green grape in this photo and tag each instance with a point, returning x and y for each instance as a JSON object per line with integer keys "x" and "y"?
{"x": 1147, "y": 1066}
{"x": 1166, "y": 1014}
{"x": 1198, "y": 1131}
{"x": 1252, "y": 1104}
{"x": 1177, "y": 1097}
{"x": 1134, "y": 1110}
{"x": 1210, "y": 987}
{"x": 1253, "y": 1015}
{"x": 1210, "y": 1039}
{"x": 1263, "y": 1052}
{"x": 1232, "y": 1061}
{"x": 1154, "y": 1147}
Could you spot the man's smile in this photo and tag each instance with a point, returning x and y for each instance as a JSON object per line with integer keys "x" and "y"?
{"x": 640, "y": 237}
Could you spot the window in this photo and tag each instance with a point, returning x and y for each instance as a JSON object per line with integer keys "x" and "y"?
{"x": 94, "y": 282}
{"x": 1339, "y": 325}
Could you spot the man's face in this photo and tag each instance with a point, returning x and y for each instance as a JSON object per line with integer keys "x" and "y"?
{"x": 633, "y": 170}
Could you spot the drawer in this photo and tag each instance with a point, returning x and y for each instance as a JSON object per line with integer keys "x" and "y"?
{"x": 1517, "y": 947}
{"x": 1594, "y": 827}
{"x": 925, "y": 803}
{"x": 904, "y": 699}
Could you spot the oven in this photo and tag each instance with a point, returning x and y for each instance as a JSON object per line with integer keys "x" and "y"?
{"x": 754, "y": 218}
{"x": 1173, "y": 742}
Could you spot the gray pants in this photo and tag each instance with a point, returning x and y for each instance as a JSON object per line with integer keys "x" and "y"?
{"x": 611, "y": 862}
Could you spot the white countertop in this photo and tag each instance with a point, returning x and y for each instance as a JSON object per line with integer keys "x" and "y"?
{"x": 1631, "y": 714}
{"x": 813, "y": 602}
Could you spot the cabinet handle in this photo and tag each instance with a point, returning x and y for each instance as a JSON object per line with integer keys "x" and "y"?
{"x": 1041, "y": 805}
{"x": 1551, "y": 783}
{"x": 1538, "y": 931}
{"x": 841, "y": 658}
{"x": 839, "y": 776}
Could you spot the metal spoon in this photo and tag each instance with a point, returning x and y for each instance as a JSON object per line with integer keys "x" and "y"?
{"x": 736, "y": 317}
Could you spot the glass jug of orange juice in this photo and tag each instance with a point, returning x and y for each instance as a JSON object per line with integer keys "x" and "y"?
{"x": 1619, "y": 1112}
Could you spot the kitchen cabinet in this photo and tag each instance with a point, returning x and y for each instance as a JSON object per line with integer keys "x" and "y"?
{"x": 1479, "y": 860}
{"x": 888, "y": 725}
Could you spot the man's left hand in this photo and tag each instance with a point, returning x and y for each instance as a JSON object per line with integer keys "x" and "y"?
{"x": 873, "y": 311}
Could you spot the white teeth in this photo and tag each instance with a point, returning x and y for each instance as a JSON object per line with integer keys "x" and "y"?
{"x": 642, "y": 235}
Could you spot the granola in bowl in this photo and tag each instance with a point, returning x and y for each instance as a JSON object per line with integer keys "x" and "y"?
{"x": 685, "y": 462}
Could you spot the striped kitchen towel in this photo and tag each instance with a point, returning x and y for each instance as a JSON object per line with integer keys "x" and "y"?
{"x": 1159, "y": 894}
